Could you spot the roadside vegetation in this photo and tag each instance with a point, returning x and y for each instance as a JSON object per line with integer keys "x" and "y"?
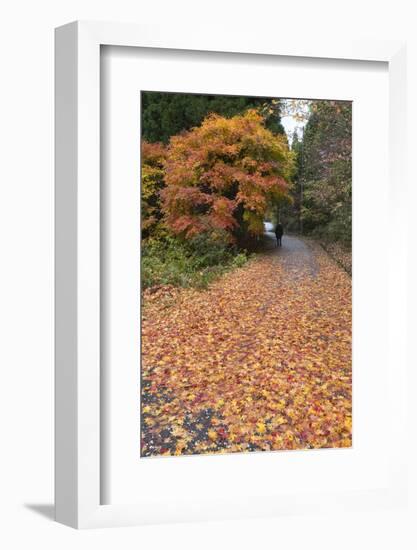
{"x": 206, "y": 189}
{"x": 214, "y": 168}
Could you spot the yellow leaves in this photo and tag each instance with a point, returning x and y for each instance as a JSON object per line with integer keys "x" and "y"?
{"x": 298, "y": 400}
{"x": 261, "y": 427}
{"x": 348, "y": 423}
{"x": 181, "y": 445}
{"x": 277, "y": 442}
{"x": 279, "y": 420}
{"x": 212, "y": 435}
{"x": 291, "y": 413}
{"x": 259, "y": 361}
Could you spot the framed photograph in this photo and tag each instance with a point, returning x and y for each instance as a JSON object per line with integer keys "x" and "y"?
{"x": 230, "y": 290}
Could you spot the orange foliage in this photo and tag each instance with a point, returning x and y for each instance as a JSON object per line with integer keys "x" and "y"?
{"x": 224, "y": 174}
{"x": 274, "y": 374}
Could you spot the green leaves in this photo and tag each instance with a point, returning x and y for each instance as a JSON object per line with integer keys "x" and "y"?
{"x": 325, "y": 167}
{"x": 192, "y": 263}
{"x": 167, "y": 114}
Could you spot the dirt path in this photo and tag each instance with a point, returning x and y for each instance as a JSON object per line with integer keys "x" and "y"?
{"x": 260, "y": 361}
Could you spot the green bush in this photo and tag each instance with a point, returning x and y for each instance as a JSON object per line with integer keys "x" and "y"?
{"x": 194, "y": 263}
{"x": 240, "y": 259}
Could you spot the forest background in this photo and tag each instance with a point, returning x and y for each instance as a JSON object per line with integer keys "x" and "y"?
{"x": 215, "y": 169}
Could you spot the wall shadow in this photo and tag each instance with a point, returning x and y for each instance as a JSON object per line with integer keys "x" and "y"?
{"x": 45, "y": 510}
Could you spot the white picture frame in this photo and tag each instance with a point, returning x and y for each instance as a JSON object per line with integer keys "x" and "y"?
{"x": 78, "y": 412}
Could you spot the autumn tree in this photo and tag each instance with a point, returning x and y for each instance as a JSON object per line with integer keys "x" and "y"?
{"x": 153, "y": 155}
{"x": 223, "y": 175}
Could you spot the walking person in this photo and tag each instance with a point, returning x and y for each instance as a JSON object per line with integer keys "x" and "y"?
{"x": 279, "y": 231}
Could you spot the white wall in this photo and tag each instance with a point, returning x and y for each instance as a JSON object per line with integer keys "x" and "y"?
{"x": 26, "y": 272}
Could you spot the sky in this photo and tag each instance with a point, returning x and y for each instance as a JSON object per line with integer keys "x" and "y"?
{"x": 290, "y": 122}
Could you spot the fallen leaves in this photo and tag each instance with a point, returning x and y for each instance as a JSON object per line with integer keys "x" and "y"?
{"x": 341, "y": 254}
{"x": 259, "y": 361}
{"x": 212, "y": 435}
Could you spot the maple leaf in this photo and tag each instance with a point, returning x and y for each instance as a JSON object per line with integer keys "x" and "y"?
{"x": 261, "y": 360}
{"x": 212, "y": 435}
{"x": 261, "y": 427}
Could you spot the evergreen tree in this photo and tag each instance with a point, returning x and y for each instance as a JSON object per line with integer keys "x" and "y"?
{"x": 326, "y": 170}
{"x": 167, "y": 114}
{"x": 290, "y": 213}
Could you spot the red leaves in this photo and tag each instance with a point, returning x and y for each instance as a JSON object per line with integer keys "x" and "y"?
{"x": 220, "y": 176}
{"x": 220, "y": 164}
{"x": 221, "y": 216}
{"x": 153, "y": 154}
{"x": 221, "y": 432}
{"x": 259, "y": 361}
{"x": 188, "y": 224}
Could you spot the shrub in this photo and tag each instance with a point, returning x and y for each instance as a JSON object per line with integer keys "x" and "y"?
{"x": 194, "y": 263}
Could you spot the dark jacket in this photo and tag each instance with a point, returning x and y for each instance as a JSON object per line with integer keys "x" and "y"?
{"x": 279, "y": 230}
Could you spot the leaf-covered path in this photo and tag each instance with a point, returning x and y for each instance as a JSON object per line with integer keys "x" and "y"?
{"x": 260, "y": 361}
